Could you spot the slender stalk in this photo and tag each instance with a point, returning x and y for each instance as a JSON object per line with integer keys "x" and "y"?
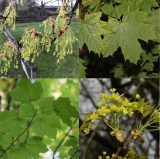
{"x": 72, "y": 11}
{"x": 16, "y": 139}
{"x": 63, "y": 139}
{"x": 89, "y": 141}
{"x": 74, "y": 153}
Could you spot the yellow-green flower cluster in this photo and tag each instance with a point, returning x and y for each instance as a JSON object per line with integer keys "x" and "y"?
{"x": 10, "y": 14}
{"x": 91, "y": 117}
{"x": 116, "y": 104}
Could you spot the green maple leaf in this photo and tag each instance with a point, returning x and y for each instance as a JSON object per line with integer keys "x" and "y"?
{"x": 126, "y": 34}
{"x": 146, "y": 5}
{"x": 32, "y": 149}
{"x": 154, "y": 19}
{"x": 27, "y": 91}
{"x": 91, "y": 29}
{"x": 65, "y": 110}
{"x": 46, "y": 124}
{"x": 109, "y": 9}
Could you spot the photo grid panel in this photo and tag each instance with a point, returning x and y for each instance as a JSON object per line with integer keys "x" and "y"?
{"x": 39, "y": 39}
{"x": 119, "y": 118}
{"x": 79, "y": 79}
{"x": 39, "y": 119}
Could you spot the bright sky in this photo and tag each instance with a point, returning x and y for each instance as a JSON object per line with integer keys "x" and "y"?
{"x": 54, "y": 2}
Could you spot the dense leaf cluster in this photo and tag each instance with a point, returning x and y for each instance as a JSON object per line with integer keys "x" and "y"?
{"x": 36, "y": 120}
{"x": 122, "y": 33}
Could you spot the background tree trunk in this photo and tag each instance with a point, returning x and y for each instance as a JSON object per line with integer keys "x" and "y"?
{"x": 4, "y": 2}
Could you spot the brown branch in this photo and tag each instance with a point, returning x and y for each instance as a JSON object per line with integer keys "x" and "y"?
{"x": 88, "y": 94}
{"x": 89, "y": 141}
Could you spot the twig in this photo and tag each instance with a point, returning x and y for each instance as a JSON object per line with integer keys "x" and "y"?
{"x": 28, "y": 126}
{"x": 88, "y": 94}
{"x": 153, "y": 84}
{"x": 72, "y": 11}
{"x": 27, "y": 135}
{"x": 63, "y": 139}
{"x": 89, "y": 141}
{"x": 49, "y": 2}
{"x": 74, "y": 153}
{"x": 9, "y": 36}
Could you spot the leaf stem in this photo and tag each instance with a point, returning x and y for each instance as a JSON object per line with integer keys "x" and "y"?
{"x": 63, "y": 139}
{"x": 74, "y": 153}
{"x": 28, "y": 126}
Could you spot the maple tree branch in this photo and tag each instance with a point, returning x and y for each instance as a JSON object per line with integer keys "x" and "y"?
{"x": 90, "y": 140}
{"x": 88, "y": 94}
{"x": 25, "y": 64}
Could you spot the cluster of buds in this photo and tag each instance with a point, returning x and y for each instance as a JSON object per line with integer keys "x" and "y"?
{"x": 65, "y": 6}
{"x": 119, "y": 134}
{"x": 63, "y": 30}
{"x": 136, "y": 135}
{"x": 34, "y": 33}
{"x": 53, "y": 23}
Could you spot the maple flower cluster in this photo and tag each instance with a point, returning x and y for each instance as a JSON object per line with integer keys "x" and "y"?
{"x": 113, "y": 104}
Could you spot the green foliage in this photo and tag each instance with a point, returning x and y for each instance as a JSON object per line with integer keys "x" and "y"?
{"x": 114, "y": 27}
{"x": 131, "y": 154}
{"x": 29, "y": 92}
{"x": 90, "y": 30}
{"x": 37, "y": 120}
{"x": 126, "y": 33}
